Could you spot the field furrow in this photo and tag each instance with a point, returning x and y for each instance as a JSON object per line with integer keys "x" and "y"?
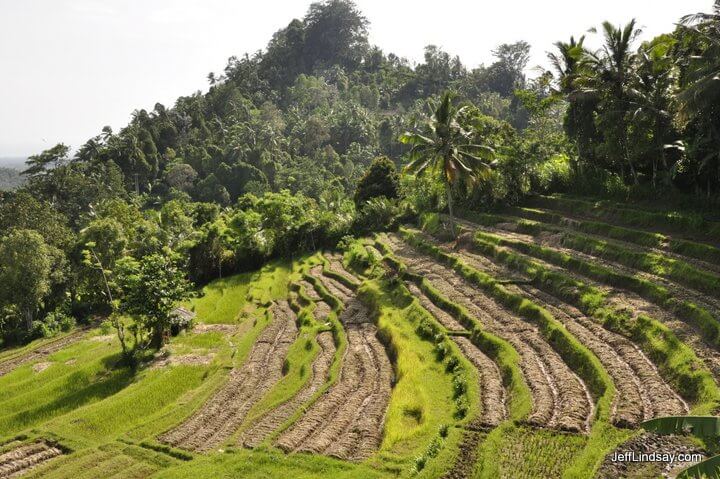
{"x": 681, "y": 292}
{"x": 441, "y": 315}
{"x": 467, "y": 457}
{"x": 221, "y": 416}
{"x": 335, "y": 287}
{"x": 347, "y": 421}
{"x": 272, "y": 420}
{"x": 560, "y": 398}
{"x": 641, "y": 393}
{"x": 492, "y": 392}
{"x": 21, "y": 460}
{"x": 309, "y": 290}
{"x": 40, "y": 352}
{"x": 620, "y": 297}
{"x": 336, "y": 266}
{"x": 634, "y": 240}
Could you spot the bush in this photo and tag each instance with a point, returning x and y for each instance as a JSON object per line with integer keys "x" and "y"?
{"x": 380, "y": 180}
{"x": 553, "y": 175}
{"x": 378, "y": 214}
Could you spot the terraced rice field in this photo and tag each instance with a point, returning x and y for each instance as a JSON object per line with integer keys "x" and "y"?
{"x": 346, "y": 422}
{"x": 9, "y": 363}
{"x": 534, "y": 345}
{"x": 222, "y": 415}
{"x": 23, "y": 459}
{"x": 560, "y": 399}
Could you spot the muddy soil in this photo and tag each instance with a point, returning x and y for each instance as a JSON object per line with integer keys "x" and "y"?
{"x": 347, "y": 420}
{"x": 467, "y": 456}
{"x": 641, "y": 392}
{"x": 636, "y": 305}
{"x": 492, "y": 392}
{"x": 336, "y": 266}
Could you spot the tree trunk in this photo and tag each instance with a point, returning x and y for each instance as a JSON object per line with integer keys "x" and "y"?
{"x": 654, "y": 175}
{"x": 450, "y": 210}
{"x": 157, "y": 341}
{"x": 28, "y": 319}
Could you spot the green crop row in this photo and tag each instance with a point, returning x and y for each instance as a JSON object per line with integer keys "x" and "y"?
{"x": 683, "y": 222}
{"x": 654, "y": 263}
{"x": 678, "y": 363}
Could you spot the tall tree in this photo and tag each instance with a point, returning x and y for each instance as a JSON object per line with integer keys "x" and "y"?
{"x": 614, "y": 68}
{"x": 29, "y": 268}
{"x": 335, "y": 34}
{"x": 572, "y": 67}
{"x": 699, "y": 98}
{"x": 445, "y": 148}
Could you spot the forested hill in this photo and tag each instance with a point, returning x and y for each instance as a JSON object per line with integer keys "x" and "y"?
{"x": 10, "y": 178}
{"x": 307, "y": 115}
{"x": 275, "y": 158}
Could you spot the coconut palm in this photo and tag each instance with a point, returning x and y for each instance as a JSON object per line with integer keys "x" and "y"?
{"x": 447, "y": 149}
{"x": 699, "y": 99}
{"x": 703, "y": 77}
{"x": 569, "y": 62}
{"x": 613, "y": 70}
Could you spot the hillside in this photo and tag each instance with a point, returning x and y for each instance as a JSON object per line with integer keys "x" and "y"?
{"x": 10, "y": 179}
{"x": 338, "y": 264}
{"x": 404, "y": 357}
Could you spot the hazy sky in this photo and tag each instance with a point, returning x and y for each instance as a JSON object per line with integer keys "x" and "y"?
{"x": 69, "y": 67}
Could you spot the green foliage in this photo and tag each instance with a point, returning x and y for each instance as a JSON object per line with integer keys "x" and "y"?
{"x": 10, "y": 179}
{"x": 29, "y": 270}
{"x": 381, "y": 179}
{"x": 448, "y": 148}
{"x": 149, "y": 291}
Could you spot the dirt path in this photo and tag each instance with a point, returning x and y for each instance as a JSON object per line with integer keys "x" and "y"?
{"x": 41, "y": 352}
{"x": 560, "y": 398}
{"x": 347, "y": 421}
{"x": 273, "y": 419}
{"x": 223, "y": 414}
{"x": 22, "y": 459}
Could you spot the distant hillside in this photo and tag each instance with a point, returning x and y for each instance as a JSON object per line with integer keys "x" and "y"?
{"x": 10, "y": 178}
{"x": 14, "y": 162}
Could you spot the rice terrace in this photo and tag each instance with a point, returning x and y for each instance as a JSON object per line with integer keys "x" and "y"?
{"x": 335, "y": 262}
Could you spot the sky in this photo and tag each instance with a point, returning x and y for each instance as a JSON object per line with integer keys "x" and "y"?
{"x": 69, "y": 67}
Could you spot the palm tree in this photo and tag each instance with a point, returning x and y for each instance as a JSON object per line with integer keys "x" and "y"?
{"x": 699, "y": 98}
{"x": 447, "y": 149}
{"x": 573, "y": 66}
{"x": 569, "y": 62}
{"x": 614, "y": 70}
{"x": 703, "y": 77}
